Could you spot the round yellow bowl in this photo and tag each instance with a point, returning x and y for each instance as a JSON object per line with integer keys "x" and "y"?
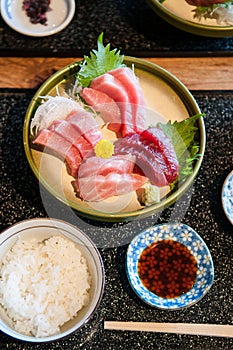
{"x": 165, "y": 96}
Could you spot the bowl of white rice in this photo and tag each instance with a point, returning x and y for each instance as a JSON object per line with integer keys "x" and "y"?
{"x": 51, "y": 280}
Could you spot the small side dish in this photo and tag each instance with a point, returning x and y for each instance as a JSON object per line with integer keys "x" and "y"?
{"x": 37, "y": 18}
{"x": 169, "y": 266}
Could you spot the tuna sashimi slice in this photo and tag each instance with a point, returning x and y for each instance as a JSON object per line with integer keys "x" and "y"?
{"x": 86, "y": 125}
{"x": 111, "y": 86}
{"x": 99, "y": 187}
{"x": 157, "y": 140}
{"x": 62, "y": 148}
{"x": 71, "y": 134}
{"x": 131, "y": 84}
{"x": 151, "y": 163}
{"x": 101, "y": 166}
{"x": 105, "y": 105}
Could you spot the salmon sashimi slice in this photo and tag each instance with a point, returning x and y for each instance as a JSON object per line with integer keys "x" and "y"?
{"x": 62, "y": 148}
{"x": 71, "y": 134}
{"x": 119, "y": 164}
{"x": 105, "y": 105}
{"x": 131, "y": 84}
{"x": 86, "y": 125}
{"x": 111, "y": 86}
{"x": 162, "y": 144}
{"x": 99, "y": 187}
{"x": 151, "y": 164}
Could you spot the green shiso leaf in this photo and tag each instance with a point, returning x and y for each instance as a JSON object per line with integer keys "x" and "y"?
{"x": 99, "y": 62}
{"x": 183, "y": 135}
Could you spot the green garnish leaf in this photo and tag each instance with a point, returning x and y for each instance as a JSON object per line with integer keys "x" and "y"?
{"x": 99, "y": 62}
{"x": 183, "y": 135}
{"x": 214, "y": 12}
{"x": 205, "y": 9}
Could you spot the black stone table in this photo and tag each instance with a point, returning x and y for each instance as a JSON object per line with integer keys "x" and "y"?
{"x": 201, "y": 209}
{"x": 131, "y": 26}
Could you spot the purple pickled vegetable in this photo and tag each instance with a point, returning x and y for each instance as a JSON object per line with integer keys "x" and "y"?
{"x": 36, "y": 10}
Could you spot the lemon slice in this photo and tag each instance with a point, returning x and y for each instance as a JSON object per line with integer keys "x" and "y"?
{"x": 104, "y": 149}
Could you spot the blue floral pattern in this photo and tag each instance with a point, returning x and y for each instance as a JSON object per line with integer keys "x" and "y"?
{"x": 227, "y": 196}
{"x": 187, "y": 236}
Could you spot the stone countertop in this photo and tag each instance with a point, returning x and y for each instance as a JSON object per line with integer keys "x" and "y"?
{"x": 21, "y": 199}
{"x": 131, "y": 26}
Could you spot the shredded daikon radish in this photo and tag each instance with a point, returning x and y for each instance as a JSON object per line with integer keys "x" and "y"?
{"x": 55, "y": 108}
{"x": 222, "y": 13}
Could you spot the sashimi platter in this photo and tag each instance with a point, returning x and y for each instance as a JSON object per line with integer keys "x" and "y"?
{"x": 115, "y": 138}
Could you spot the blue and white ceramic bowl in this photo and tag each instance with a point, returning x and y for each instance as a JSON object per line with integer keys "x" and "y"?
{"x": 227, "y": 196}
{"x": 188, "y": 237}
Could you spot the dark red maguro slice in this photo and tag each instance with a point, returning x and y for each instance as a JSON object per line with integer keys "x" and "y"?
{"x": 155, "y": 155}
{"x": 204, "y": 3}
{"x": 163, "y": 145}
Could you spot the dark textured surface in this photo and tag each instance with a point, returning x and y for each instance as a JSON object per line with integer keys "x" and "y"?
{"x": 129, "y": 25}
{"x": 20, "y": 199}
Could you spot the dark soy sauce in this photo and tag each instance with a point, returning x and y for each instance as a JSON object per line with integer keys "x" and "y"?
{"x": 167, "y": 268}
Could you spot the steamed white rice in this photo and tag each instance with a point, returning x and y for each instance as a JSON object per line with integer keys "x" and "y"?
{"x": 43, "y": 285}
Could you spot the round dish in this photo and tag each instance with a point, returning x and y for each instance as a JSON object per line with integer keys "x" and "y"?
{"x": 41, "y": 229}
{"x": 165, "y": 96}
{"x": 189, "y": 238}
{"x": 180, "y": 14}
{"x": 58, "y": 18}
{"x": 227, "y": 196}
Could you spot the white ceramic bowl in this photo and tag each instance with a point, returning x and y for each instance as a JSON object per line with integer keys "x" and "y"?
{"x": 227, "y": 195}
{"x": 43, "y": 229}
{"x": 59, "y": 17}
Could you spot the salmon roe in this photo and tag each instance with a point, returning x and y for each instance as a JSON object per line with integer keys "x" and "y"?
{"x": 167, "y": 268}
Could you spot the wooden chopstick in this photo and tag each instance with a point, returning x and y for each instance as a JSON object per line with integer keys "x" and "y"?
{"x": 216, "y": 330}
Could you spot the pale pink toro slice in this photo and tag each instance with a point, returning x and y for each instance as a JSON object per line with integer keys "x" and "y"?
{"x": 99, "y": 187}
{"x": 105, "y": 105}
{"x": 103, "y": 166}
{"x": 111, "y": 86}
{"x": 86, "y": 125}
{"x": 62, "y": 148}
{"x": 73, "y": 135}
{"x": 131, "y": 84}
